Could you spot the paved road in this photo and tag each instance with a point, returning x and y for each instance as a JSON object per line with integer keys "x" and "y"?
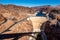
{"x": 12, "y": 25}
{"x": 21, "y": 20}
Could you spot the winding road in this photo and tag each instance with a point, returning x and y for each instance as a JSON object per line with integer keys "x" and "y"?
{"x": 4, "y": 27}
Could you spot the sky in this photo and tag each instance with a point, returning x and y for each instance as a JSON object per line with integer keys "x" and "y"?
{"x": 31, "y": 3}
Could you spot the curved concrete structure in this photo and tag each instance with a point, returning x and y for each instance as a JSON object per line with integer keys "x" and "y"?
{"x": 37, "y": 22}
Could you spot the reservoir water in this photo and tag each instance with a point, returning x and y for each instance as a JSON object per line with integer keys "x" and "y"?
{"x": 41, "y": 14}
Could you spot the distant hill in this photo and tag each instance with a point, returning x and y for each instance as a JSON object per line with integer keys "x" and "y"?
{"x": 16, "y": 11}
{"x": 14, "y": 17}
{"x": 46, "y": 6}
{"x": 14, "y": 8}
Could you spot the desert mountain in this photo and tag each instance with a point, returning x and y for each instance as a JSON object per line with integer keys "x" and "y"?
{"x": 13, "y": 20}
{"x": 11, "y": 15}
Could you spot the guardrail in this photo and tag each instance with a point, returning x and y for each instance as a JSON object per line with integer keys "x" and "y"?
{"x": 16, "y": 35}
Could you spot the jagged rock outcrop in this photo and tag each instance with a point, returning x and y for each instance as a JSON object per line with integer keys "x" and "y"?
{"x": 13, "y": 20}
{"x": 51, "y": 27}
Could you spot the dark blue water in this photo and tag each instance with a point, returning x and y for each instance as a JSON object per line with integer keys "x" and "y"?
{"x": 40, "y": 14}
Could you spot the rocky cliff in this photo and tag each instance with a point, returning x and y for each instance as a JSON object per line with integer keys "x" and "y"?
{"x": 13, "y": 20}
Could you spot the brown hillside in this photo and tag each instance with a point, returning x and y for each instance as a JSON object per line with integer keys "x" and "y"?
{"x": 13, "y": 18}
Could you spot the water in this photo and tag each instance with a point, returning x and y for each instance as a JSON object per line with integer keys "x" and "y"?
{"x": 41, "y": 14}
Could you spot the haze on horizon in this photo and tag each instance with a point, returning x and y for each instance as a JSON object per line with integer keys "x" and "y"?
{"x": 31, "y": 3}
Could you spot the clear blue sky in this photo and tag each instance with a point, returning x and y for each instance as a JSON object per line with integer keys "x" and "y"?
{"x": 31, "y": 3}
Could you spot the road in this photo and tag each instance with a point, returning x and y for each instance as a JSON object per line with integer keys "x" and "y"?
{"x": 5, "y": 28}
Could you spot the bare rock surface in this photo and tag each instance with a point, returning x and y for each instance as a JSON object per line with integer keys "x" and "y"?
{"x": 16, "y": 16}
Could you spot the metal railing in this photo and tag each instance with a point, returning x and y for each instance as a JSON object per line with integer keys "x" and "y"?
{"x": 16, "y": 36}
{"x": 19, "y": 35}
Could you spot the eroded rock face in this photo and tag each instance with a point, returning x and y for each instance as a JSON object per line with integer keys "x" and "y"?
{"x": 1, "y": 19}
{"x": 52, "y": 26}
{"x": 52, "y": 31}
{"x": 16, "y": 20}
{"x": 16, "y": 16}
{"x": 21, "y": 27}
